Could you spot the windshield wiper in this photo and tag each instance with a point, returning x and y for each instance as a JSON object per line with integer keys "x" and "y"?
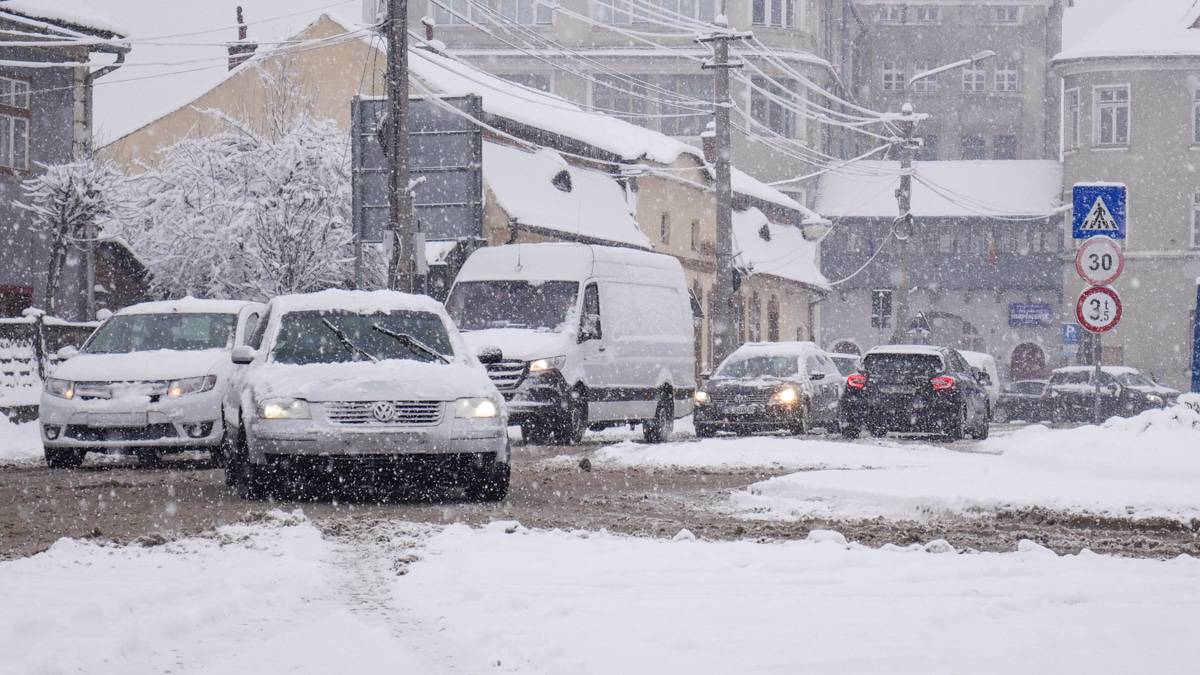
{"x": 345, "y": 339}
{"x": 412, "y": 343}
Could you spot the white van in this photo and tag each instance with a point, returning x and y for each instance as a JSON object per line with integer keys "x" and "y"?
{"x": 577, "y": 336}
{"x": 987, "y": 364}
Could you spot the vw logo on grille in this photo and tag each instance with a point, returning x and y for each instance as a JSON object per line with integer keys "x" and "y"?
{"x": 740, "y": 398}
{"x": 384, "y": 411}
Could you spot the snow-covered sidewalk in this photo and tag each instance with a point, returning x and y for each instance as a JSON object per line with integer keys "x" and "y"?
{"x": 19, "y": 442}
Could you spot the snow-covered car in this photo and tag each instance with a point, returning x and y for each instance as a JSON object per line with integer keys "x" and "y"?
{"x": 846, "y": 363}
{"x": 1023, "y": 400}
{"x": 150, "y": 379}
{"x": 770, "y": 386}
{"x": 915, "y": 389}
{"x": 355, "y": 381}
{"x": 985, "y": 364}
{"x": 1124, "y": 392}
{"x": 578, "y": 336}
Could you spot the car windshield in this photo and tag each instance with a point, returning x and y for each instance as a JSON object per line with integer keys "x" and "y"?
{"x": 846, "y": 366}
{"x": 478, "y": 305}
{"x": 1070, "y": 377}
{"x": 127, "y": 333}
{"x": 1134, "y": 380}
{"x": 759, "y": 366}
{"x": 901, "y": 367}
{"x": 306, "y": 337}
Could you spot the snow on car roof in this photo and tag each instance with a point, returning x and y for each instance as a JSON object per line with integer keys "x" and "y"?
{"x": 905, "y": 349}
{"x": 364, "y": 302}
{"x": 976, "y": 358}
{"x": 777, "y": 348}
{"x": 188, "y": 305}
{"x": 554, "y": 261}
{"x": 1111, "y": 370}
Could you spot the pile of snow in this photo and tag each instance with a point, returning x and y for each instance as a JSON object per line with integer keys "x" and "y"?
{"x": 19, "y": 441}
{"x": 1145, "y": 466}
{"x": 513, "y": 600}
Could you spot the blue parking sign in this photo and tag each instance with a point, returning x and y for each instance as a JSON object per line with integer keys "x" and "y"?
{"x": 1098, "y": 209}
{"x": 1070, "y": 334}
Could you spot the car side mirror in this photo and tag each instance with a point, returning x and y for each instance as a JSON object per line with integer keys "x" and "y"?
{"x": 488, "y": 355}
{"x": 589, "y": 328}
{"x": 243, "y": 355}
{"x": 1113, "y": 389}
{"x": 66, "y": 353}
{"x": 706, "y": 375}
{"x": 816, "y": 376}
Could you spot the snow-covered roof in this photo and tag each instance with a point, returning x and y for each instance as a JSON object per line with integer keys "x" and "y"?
{"x": 365, "y": 302}
{"x": 1122, "y": 28}
{"x": 80, "y": 14}
{"x": 187, "y": 305}
{"x": 436, "y": 252}
{"x": 787, "y": 254}
{"x": 595, "y": 206}
{"x": 944, "y": 188}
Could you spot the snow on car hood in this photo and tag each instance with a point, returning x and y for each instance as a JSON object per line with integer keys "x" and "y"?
{"x": 518, "y": 343}
{"x": 162, "y": 364}
{"x": 392, "y": 379}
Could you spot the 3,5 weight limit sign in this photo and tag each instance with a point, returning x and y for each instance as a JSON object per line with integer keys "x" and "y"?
{"x": 1098, "y": 309}
{"x": 1099, "y": 261}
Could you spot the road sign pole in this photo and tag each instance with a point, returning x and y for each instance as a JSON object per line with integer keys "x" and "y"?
{"x": 1097, "y": 353}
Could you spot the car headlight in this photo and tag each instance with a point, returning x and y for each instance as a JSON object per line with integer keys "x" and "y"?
{"x": 476, "y": 408}
{"x": 786, "y": 396}
{"x": 550, "y": 363}
{"x": 284, "y": 409}
{"x": 60, "y": 388}
{"x": 1154, "y": 399}
{"x": 701, "y": 397}
{"x": 190, "y": 385}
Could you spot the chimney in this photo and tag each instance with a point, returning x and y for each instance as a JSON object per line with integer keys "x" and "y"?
{"x": 708, "y": 141}
{"x": 428, "y": 23}
{"x": 242, "y": 49}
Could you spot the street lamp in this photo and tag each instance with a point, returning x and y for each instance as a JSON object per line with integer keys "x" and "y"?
{"x": 903, "y": 228}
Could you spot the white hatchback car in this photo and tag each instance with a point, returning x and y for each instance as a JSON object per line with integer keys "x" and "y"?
{"x": 150, "y": 379}
{"x": 374, "y": 382}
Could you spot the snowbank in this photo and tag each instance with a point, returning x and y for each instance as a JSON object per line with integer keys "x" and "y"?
{"x": 19, "y": 441}
{"x": 1146, "y": 466}
{"x": 516, "y": 600}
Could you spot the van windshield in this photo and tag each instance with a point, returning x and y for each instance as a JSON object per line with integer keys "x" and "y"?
{"x": 127, "y": 333}
{"x": 479, "y": 305}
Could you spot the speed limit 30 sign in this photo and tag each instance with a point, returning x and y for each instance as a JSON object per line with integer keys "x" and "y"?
{"x": 1099, "y": 261}
{"x": 1098, "y": 309}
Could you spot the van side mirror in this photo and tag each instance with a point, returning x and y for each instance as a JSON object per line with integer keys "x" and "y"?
{"x": 243, "y": 355}
{"x": 589, "y": 328}
{"x": 488, "y": 355}
{"x": 66, "y": 353}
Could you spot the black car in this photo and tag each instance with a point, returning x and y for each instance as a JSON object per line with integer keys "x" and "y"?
{"x": 915, "y": 389}
{"x": 1124, "y": 392}
{"x": 770, "y": 386}
{"x": 1023, "y": 400}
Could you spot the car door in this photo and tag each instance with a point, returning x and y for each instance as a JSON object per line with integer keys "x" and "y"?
{"x": 973, "y": 392}
{"x": 594, "y": 356}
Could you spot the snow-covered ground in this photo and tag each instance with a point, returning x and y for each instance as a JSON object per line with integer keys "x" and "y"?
{"x": 1140, "y": 467}
{"x": 277, "y": 597}
{"x": 19, "y": 441}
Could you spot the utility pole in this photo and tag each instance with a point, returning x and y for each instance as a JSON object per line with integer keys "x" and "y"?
{"x": 401, "y": 266}
{"x": 722, "y": 324}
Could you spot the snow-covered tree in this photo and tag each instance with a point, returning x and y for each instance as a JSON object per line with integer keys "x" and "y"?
{"x": 65, "y": 201}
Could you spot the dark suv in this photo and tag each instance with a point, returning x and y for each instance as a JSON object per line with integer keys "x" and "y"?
{"x": 915, "y": 389}
{"x": 1124, "y": 392}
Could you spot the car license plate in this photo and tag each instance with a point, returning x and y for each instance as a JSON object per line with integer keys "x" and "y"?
{"x": 117, "y": 419}
{"x": 748, "y": 409}
{"x": 895, "y": 389}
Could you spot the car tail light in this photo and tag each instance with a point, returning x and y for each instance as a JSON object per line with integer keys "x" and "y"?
{"x": 942, "y": 383}
{"x": 856, "y": 381}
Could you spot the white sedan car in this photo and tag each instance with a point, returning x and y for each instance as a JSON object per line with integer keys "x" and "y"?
{"x": 369, "y": 382}
{"x": 149, "y": 380}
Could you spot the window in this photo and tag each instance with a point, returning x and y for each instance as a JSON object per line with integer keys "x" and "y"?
{"x": 891, "y": 14}
{"x": 527, "y": 12}
{"x": 14, "y": 123}
{"x": 692, "y": 86}
{"x": 925, "y": 84}
{"x": 881, "y": 308}
{"x": 1112, "y": 115}
{"x": 1196, "y": 220}
{"x": 893, "y": 76}
{"x": 773, "y": 319}
{"x": 591, "y": 307}
{"x": 614, "y": 11}
{"x": 701, "y": 10}
{"x": 973, "y": 147}
{"x": 1071, "y": 118}
{"x": 695, "y": 235}
{"x": 619, "y": 97}
{"x": 454, "y": 12}
{"x": 929, "y": 148}
{"x": 1006, "y": 14}
{"x": 772, "y": 111}
{"x": 755, "y": 319}
{"x": 1006, "y": 76}
{"x": 925, "y": 14}
{"x": 1004, "y": 147}
{"x": 664, "y": 228}
{"x": 779, "y": 13}
{"x": 974, "y": 78}
{"x": 539, "y": 81}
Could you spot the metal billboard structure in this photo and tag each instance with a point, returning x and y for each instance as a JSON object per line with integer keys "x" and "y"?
{"x": 446, "y": 168}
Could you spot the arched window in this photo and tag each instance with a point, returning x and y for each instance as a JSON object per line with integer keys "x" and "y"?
{"x": 754, "y": 319}
{"x": 773, "y": 319}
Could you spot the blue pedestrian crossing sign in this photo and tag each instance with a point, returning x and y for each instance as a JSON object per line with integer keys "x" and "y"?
{"x": 1098, "y": 209}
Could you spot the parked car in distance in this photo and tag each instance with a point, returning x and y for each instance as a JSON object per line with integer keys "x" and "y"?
{"x": 149, "y": 380}
{"x": 1124, "y": 392}
{"x": 770, "y": 386}
{"x": 914, "y": 389}
{"x": 846, "y": 363}
{"x": 1023, "y": 400}
{"x": 371, "y": 382}
{"x": 986, "y": 364}
{"x": 578, "y": 336}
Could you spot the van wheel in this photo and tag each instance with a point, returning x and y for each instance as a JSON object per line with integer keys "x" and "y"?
{"x": 658, "y": 429}
{"x": 64, "y": 458}
{"x": 575, "y": 421}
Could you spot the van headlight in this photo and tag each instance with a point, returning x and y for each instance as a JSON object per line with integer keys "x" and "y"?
{"x": 284, "y": 409}
{"x": 190, "y": 385}
{"x": 786, "y": 396}
{"x": 476, "y": 408}
{"x": 60, "y": 388}
{"x": 701, "y": 397}
{"x": 549, "y": 363}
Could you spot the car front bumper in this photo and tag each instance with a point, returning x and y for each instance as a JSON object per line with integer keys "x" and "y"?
{"x": 317, "y": 438}
{"x": 763, "y": 418}
{"x": 98, "y": 424}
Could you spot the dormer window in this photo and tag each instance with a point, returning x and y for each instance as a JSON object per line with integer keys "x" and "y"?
{"x": 562, "y": 180}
